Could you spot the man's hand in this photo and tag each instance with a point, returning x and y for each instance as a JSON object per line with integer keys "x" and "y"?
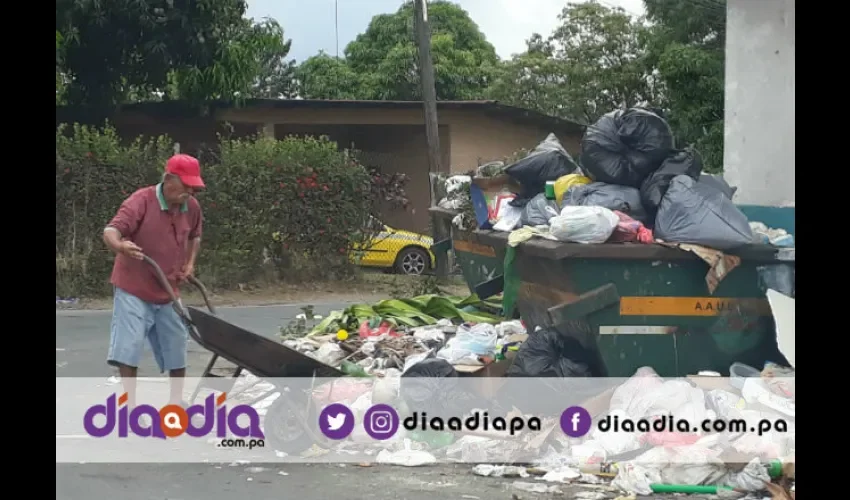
{"x": 187, "y": 271}
{"x": 131, "y": 250}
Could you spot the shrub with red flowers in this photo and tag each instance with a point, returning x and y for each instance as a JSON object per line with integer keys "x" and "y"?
{"x": 290, "y": 210}
{"x": 292, "y": 206}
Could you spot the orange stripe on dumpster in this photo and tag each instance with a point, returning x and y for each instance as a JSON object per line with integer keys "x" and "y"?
{"x": 692, "y": 306}
{"x": 476, "y": 248}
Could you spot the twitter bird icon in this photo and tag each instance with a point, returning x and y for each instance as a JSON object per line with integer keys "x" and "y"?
{"x": 336, "y": 421}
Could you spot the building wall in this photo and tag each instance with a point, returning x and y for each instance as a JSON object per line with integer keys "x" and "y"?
{"x": 393, "y": 139}
{"x": 760, "y": 107}
{"x": 477, "y": 139}
{"x": 474, "y": 137}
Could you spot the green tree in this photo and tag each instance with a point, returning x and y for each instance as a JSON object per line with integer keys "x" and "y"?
{"x": 592, "y": 63}
{"x": 326, "y": 77}
{"x": 142, "y": 49}
{"x": 688, "y": 48}
{"x": 249, "y": 63}
{"x": 384, "y": 62}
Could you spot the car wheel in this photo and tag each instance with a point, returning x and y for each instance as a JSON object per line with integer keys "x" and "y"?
{"x": 412, "y": 261}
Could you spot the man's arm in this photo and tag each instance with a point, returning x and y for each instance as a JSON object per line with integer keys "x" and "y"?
{"x": 194, "y": 248}
{"x": 125, "y": 223}
{"x": 195, "y": 239}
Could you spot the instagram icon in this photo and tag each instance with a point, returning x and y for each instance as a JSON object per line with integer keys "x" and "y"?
{"x": 380, "y": 422}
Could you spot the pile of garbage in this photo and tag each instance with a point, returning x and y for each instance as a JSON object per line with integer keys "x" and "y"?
{"x": 638, "y": 463}
{"x": 383, "y": 342}
{"x": 681, "y": 462}
{"x": 630, "y": 184}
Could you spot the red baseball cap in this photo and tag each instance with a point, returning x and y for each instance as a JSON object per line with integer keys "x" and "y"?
{"x": 187, "y": 169}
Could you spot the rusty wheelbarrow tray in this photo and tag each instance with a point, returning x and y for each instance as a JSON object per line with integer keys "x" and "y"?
{"x": 288, "y": 423}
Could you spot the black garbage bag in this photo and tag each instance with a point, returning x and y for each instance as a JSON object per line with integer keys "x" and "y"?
{"x": 718, "y": 182}
{"x": 547, "y": 162}
{"x": 432, "y": 385}
{"x": 549, "y": 353}
{"x": 700, "y": 214}
{"x": 680, "y": 162}
{"x": 623, "y": 147}
{"x": 539, "y": 210}
{"x": 611, "y": 196}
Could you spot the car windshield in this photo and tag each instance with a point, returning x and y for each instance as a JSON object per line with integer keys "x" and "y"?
{"x": 375, "y": 224}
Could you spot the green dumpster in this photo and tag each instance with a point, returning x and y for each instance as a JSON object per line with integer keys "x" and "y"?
{"x": 481, "y": 265}
{"x": 635, "y": 304}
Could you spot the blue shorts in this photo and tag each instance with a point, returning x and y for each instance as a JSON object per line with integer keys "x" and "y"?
{"x": 133, "y": 320}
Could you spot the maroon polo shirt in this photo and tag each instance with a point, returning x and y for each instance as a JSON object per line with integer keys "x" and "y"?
{"x": 162, "y": 233}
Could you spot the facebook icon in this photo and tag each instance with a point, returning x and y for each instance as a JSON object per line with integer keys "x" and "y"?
{"x": 575, "y": 421}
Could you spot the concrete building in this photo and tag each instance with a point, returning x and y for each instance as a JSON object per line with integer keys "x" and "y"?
{"x": 759, "y": 118}
{"x": 391, "y": 134}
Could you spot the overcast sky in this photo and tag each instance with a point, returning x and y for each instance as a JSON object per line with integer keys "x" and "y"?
{"x": 505, "y": 23}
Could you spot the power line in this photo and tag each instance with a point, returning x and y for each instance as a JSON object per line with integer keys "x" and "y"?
{"x": 336, "y": 25}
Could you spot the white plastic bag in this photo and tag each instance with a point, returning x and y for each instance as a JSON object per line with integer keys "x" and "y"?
{"x": 584, "y": 224}
{"x": 509, "y": 218}
{"x": 469, "y": 343}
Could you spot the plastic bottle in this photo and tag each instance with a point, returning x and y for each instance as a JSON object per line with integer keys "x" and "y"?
{"x": 353, "y": 369}
{"x": 550, "y": 190}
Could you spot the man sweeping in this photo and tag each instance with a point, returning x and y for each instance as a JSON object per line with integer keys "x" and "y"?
{"x": 164, "y": 222}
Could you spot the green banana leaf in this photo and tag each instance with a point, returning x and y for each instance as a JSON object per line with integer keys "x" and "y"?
{"x": 412, "y": 312}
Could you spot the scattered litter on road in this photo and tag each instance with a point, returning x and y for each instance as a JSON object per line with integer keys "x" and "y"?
{"x": 406, "y": 458}
{"x": 535, "y": 487}
{"x": 589, "y": 495}
{"x": 255, "y": 470}
{"x": 488, "y": 470}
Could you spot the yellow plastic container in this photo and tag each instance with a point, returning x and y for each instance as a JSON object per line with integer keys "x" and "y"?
{"x": 566, "y": 182}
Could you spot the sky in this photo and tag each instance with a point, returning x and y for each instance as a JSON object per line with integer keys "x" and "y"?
{"x": 505, "y": 23}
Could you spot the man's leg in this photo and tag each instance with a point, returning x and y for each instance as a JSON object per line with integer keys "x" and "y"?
{"x": 131, "y": 320}
{"x": 169, "y": 341}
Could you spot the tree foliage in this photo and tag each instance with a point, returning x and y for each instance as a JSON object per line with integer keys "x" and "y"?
{"x": 593, "y": 62}
{"x": 250, "y": 63}
{"x": 381, "y": 63}
{"x": 195, "y": 50}
{"x": 326, "y": 77}
{"x": 687, "y": 47}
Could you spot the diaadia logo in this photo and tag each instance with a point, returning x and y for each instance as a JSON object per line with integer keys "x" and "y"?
{"x": 173, "y": 420}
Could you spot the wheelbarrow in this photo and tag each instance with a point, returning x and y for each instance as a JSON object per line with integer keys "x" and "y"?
{"x": 290, "y": 424}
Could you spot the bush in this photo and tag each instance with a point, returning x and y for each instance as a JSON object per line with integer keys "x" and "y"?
{"x": 94, "y": 174}
{"x": 273, "y": 210}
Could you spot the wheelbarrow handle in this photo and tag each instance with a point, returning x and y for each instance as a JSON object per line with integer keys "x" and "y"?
{"x": 163, "y": 281}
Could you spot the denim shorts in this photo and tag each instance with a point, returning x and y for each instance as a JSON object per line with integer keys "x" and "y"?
{"x": 134, "y": 320}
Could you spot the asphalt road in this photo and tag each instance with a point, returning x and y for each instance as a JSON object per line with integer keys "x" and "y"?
{"x": 81, "y": 342}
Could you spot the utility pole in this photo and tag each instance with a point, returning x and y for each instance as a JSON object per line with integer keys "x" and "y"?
{"x": 426, "y": 78}
{"x": 439, "y": 230}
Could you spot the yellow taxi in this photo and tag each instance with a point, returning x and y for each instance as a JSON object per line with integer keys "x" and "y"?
{"x": 404, "y": 252}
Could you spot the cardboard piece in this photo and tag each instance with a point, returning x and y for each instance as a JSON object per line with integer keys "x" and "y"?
{"x": 491, "y": 375}
{"x": 785, "y": 317}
